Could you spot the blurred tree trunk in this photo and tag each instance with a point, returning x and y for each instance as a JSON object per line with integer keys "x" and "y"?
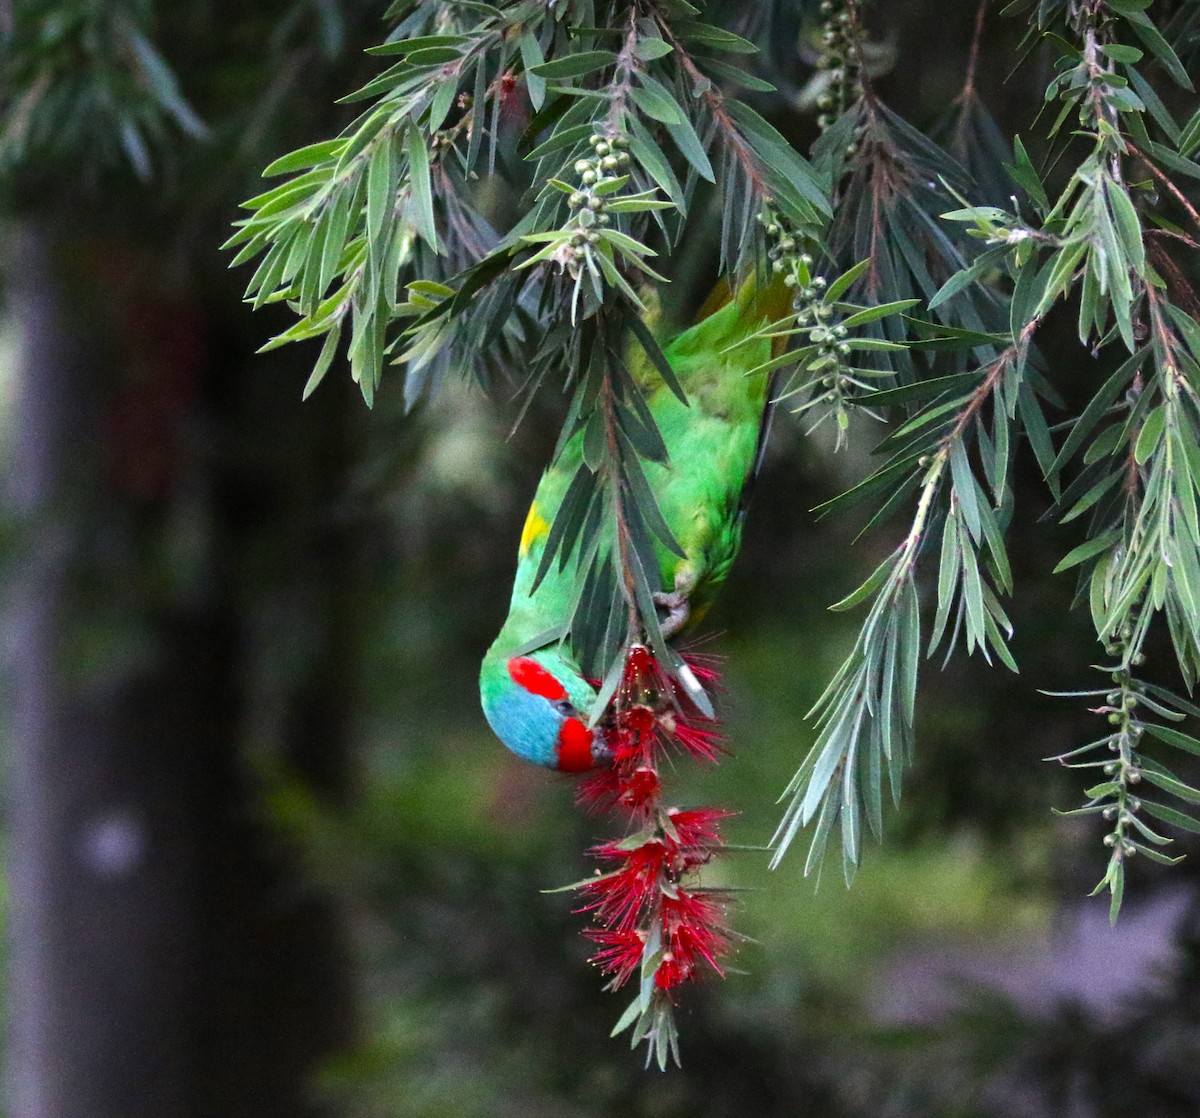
{"x": 166, "y": 962}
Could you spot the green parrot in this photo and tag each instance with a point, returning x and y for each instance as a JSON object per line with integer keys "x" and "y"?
{"x": 539, "y": 702}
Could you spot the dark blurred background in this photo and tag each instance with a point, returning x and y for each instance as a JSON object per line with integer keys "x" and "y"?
{"x": 264, "y": 857}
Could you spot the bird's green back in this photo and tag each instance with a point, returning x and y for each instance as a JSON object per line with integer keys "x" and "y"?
{"x": 712, "y": 446}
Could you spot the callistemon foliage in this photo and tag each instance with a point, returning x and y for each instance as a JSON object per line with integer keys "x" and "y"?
{"x": 493, "y": 213}
{"x": 656, "y": 927}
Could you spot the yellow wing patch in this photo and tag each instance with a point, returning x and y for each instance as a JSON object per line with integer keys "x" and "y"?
{"x": 536, "y": 526}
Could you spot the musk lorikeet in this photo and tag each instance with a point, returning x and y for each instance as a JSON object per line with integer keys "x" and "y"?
{"x": 538, "y": 702}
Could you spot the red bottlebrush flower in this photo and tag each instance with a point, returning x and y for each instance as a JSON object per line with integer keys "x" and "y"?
{"x": 620, "y": 953}
{"x": 648, "y": 900}
{"x": 693, "y": 929}
{"x": 671, "y": 972}
{"x": 702, "y": 741}
{"x": 705, "y": 667}
{"x": 619, "y": 898}
{"x": 641, "y": 789}
{"x": 697, "y": 832}
{"x": 600, "y": 791}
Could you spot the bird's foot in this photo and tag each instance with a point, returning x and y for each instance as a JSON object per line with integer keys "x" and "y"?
{"x": 676, "y": 603}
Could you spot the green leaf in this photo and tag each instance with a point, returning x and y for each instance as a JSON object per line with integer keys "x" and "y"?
{"x": 845, "y": 281}
{"x": 919, "y": 390}
{"x": 1128, "y": 227}
{"x": 654, "y": 100}
{"x": 738, "y": 76}
{"x": 1157, "y": 45}
{"x": 649, "y": 49}
{"x": 873, "y": 583}
{"x": 421, "y": 211}
{"x": 324, "y": 360}
{"x": 1026, "y": 176}
{"x": 695, "y": 32}
{"x": 1149, "y": 435}
{"x": 1086, "y": 550}
{"x": 574, "y": 65}
{"x": 653, "y": 350}
{"x": 416, "y": 43}
{"x": 1189, "y": 137}
{"x": 1122, "y": 53}
{"x": 688, "y": 143}
{"x": 531, "y": 58}
{"x": 305, "y": 157}
{"x": 870, "y": 314}
{"x": 1170, "y": 815}
{"x": 1168, "y": 782}
{"x": 1173, "y": 737}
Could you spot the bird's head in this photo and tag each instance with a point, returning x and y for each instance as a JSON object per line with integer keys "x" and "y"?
{"x": 539, "y": 705}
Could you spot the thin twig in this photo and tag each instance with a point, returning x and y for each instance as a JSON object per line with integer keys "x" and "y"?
{"x": 1180, "y": 197}
{"x": 968, "y": 89}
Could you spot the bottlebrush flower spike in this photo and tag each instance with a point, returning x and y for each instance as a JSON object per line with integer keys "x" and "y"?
{"x": 654, "y": 919}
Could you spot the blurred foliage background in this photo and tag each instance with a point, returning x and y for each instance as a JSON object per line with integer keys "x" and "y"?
{"x": 265, "y": 857}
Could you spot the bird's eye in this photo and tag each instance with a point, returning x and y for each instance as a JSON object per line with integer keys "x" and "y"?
{"x": 563, "y": 706}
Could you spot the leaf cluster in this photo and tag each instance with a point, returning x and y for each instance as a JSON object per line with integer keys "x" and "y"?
{"x": 1106, "y": 235}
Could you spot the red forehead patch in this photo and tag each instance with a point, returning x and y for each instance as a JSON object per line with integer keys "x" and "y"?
{"x": 535, "y": 679}
{"x": 574, "y": 747}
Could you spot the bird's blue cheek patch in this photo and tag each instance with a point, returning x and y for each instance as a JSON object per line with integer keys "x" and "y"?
{"x": 528, "y": 725}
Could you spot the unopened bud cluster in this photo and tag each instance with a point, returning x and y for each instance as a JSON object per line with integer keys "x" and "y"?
{"x": 817, "y": 320}
{"x": 607, "y": 163}
{"x": 1120, "y": 706}
{"x": 839, "y": 59}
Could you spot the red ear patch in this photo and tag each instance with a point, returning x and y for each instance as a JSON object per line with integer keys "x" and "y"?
{"x": 574, "y": 747}
{"x": 535, "y": 679}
